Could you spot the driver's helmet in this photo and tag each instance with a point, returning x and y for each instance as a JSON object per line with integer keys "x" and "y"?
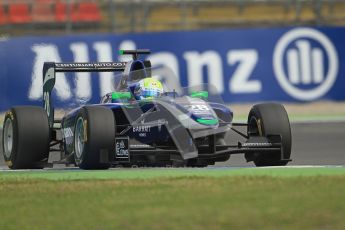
{"x": 148, "y": 88}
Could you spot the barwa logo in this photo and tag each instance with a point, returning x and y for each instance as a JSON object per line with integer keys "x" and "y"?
{"x": 305, "y": 63}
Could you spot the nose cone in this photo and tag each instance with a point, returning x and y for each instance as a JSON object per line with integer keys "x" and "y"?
{"x": 203, "y": 114}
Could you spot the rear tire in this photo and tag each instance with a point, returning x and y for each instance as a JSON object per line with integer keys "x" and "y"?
{"x": 25, "y": 137}
{"x": 270, "y": 119}
{"x": 94, "y": 137}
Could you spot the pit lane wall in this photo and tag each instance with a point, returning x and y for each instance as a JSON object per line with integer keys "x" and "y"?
{"x": 296, "y": 64}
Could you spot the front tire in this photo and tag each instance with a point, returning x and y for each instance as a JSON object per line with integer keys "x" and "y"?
{"x": 94, "y": 137}
{"x": 270, "y": 119}
{"x": 25, "y": 137}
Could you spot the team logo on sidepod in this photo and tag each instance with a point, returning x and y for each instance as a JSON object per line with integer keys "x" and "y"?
{"x": 305, "y": 63}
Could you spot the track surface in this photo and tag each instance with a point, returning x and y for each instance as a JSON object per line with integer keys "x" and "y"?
{"x": 317, "y": 143}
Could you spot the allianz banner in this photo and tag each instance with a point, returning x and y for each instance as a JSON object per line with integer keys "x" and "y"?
{"x": 245, "y": 65}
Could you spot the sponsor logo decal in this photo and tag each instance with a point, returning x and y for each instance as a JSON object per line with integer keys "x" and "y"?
{"x": 68, "y": 135}
{"x": 305, "y": 63}
{"x": 142, "y": 130}
{"x": 198, "y": 109}
{"x": 91, "y": 65}
{"x": 122, "y": 148}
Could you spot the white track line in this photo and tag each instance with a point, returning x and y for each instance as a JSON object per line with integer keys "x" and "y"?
{"x": 3, "y": 169}
{"x": 304, "y": 166}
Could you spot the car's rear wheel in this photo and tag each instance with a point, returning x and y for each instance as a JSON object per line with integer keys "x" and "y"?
{"x": 270, "y": 119}
{"x": 26, "y": 137}
{"x": 94, "y": 137}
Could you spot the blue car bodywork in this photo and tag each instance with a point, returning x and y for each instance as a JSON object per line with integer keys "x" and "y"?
{"x": 175, "y": 129}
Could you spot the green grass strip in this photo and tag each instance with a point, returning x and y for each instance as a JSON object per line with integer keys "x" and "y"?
{"x": 196, "y": 200}
{"x": 151, "y": 173}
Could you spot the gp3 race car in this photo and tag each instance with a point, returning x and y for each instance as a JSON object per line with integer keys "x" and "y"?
{"x": 176, "y": 127}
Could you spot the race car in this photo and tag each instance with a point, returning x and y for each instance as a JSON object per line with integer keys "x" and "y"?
{"x": 141, "y": 123}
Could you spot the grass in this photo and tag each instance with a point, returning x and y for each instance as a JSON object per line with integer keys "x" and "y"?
{"x": 271, "y": 198}
{"x": 157, "y": 173}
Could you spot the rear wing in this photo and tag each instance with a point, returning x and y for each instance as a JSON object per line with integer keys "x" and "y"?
{"x": 49, "y": 75}
{"x": 51, "y": 68}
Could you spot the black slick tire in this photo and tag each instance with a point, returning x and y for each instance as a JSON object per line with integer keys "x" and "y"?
{"x": 94, "y": 137}
{"x": 270, "y": 119}
{"x": 26, "y": 137}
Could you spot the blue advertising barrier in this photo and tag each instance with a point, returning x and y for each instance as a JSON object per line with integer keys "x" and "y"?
{"x": 245, "y": 65}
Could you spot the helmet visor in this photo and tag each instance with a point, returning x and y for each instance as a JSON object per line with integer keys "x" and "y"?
{"x": 150, "y": 93}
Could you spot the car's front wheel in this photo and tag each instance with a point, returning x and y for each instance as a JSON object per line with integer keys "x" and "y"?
{"x": 270, "y": 119}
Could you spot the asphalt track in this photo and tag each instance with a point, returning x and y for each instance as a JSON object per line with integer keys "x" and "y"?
{"x": 314, "y": 143}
